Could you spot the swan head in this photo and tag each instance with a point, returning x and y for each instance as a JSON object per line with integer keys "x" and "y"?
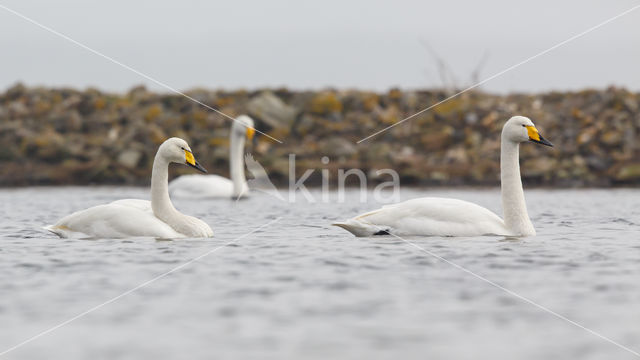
{"x": 178, "y": 151}
{"x": 243, "y": 126}
{"x": 521, "y": 129}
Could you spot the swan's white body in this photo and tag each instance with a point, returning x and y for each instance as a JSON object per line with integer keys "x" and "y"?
{"x": 427, "y": 216}
{"x": 135, "y": 218}
{"x": 211, "y": 186}
{"x": 119, "y": 219}
{"x": 188, "y": 186}
{"x": 452, "y": 217}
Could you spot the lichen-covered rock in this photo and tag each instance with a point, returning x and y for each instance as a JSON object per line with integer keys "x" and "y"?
{"x": 628, "y": 173}
{"x": 325, "y": 103}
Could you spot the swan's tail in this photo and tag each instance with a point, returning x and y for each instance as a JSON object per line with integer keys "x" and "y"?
{"x": 58, "y": 230}
{"x": 357, "y": 228}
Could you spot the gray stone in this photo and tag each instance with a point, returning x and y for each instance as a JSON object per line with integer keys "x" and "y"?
{"x": 270, "y": 109}
{"x": 129, "y": 158}
{"x": 339, "y": 147}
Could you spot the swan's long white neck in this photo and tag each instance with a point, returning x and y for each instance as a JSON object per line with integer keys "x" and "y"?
{"x": 236, "y": 164}
{"x": 160, "y": 203}
{"x": 514, "y": 207}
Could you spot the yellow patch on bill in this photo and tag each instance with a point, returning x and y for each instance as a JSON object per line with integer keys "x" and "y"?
{"x": 189, "y": 157}
{"x": 250, "y": 133}
{"x": 533, "y": 133}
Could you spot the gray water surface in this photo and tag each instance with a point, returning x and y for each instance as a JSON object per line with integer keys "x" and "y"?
{"x": 302, "y": 289}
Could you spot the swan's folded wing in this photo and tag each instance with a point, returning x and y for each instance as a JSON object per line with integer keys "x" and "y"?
{"x": 144, "y": 205}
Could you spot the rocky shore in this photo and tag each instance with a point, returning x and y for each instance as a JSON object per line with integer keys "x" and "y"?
{"x": 65, "y": 136}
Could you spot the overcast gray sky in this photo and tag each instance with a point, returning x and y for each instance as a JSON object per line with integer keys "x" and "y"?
{"x": 309, "y": 45}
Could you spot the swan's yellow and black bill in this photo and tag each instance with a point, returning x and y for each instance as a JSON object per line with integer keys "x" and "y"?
{"x": 250, "y": 132}
{"x": 191, "y": 161}
{"x": 535, "y": 136}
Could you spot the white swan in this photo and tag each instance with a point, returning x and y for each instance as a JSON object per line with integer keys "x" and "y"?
{"x": 215, "y": 185}
{"x": 451, "y": 217}
{"x": 132, "y": 217}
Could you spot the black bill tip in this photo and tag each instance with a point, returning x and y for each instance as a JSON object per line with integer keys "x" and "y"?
{"x": 542, "y": 141}
{"x": 197, "y": 166}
